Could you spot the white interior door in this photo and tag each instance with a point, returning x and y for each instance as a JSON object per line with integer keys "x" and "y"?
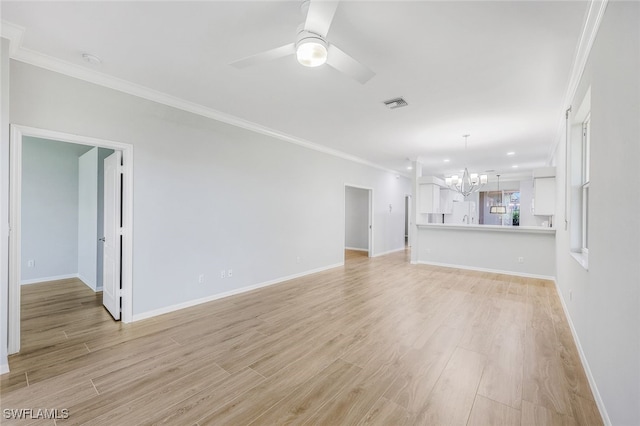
{"x": 112, "y": 224}
{"x": 88, "y": 218}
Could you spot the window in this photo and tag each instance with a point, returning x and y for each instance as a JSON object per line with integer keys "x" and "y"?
{"x": 514, "y": 207}
{"x": 586, "y": 149}
{"x": 508, "y": 198}
{"x": 579, "y": 179}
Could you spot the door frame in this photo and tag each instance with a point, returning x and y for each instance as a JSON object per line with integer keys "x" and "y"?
{"x": 408, "y": 203}
{"x": 15, "y": 212}
{"x": 344, "y": 214}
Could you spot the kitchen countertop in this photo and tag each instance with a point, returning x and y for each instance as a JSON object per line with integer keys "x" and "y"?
{"x": 489, "y": 228}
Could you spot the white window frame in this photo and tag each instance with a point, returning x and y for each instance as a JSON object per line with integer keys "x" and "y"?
{"x": 578, "y": 185}
{"x": 586, "y": 182}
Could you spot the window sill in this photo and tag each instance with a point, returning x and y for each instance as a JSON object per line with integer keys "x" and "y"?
{"x": 581, "y": 258}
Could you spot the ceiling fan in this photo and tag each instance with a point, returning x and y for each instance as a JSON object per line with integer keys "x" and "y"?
{"x": 311, "y": 47}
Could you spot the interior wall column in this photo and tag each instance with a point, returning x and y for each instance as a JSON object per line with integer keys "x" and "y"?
{"x": 416, "y": 173}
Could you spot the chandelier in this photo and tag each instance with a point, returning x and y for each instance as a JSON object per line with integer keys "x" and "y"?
{"x": 469, "y": 182}
{"x": 499, "y": 209}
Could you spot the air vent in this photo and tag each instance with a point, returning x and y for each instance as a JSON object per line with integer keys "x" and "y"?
{"x": 395, "y": 103}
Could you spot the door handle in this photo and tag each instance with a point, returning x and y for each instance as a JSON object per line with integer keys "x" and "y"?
{"x": 101, "y": 239}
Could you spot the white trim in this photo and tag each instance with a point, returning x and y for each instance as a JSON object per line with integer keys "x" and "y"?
{"x": 389, "y": 252}
{"x": 15, "y": 179}
{"x": 494, "y": 271}
{"x": 585, "y": 364}
{"x": 581, "y": 258}
{"x": 15, "y": 34}
{"x": 86, "y": 282}
{"x": 587, "y": 37}
{"x": 194, "y": 302}
{"x": 356, "y": 249}
{"x": 17, "y": 133}
{"x": 4, "y": 366}
{"x": 53, "y": 278}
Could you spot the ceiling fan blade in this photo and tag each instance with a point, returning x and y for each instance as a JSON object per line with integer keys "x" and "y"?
{"x": 269, "y": 55}
{"x": 320, "y": 16}
{"x": 347, "y": 65}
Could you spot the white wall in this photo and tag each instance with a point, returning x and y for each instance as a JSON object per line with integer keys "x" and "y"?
{"x": 488, "y": 249}
{"x": 88, "y": 218}
{"x": 4, "y": 200}
{"x": 605, "y": 308}
{"x": 357, "y": 218}
{"x": 49, "y": 209}
{"x": 209, "y": 196}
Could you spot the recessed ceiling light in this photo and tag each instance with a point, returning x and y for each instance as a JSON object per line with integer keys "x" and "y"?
{"x": 409, "y": 167}
{"x": 446, "y": 160}
{"x": 515, "y": 166}
{"x": 510, "y": 153}
{"x": 92, "y": 59}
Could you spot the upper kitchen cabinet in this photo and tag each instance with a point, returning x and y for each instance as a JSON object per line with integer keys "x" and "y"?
{"x": 429, "y": 198}
{"x": 429, "y": 194}
{"x": 544, "y": 191}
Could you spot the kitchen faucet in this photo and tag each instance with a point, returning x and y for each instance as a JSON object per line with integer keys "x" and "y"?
{"x": 465, "y": 219}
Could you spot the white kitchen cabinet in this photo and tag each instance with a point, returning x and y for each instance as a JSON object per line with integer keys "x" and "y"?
{"x": 544, "y": 196}
{"x": 429, "y": 198}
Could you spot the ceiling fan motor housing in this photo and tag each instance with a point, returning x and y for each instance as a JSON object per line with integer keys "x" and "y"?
{"x": 311, "y": 49}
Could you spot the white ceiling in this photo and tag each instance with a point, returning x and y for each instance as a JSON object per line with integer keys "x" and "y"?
{"x": 496, "y": 70}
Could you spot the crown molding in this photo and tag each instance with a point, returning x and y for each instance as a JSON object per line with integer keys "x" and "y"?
{"x": 17, "y": 52}
{"x": 593, "y": 18}
{"x": 14, "y": 33}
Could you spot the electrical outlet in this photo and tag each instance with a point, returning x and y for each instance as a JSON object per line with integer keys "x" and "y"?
{"x": 230, "y": 272}
{"x": 201, "y": 278}
{"x": 31, "y": 263}
{"x": 521, "y": 259}
{"x": 222, "y": 274}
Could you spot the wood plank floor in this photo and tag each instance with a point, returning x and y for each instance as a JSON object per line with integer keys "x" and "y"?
{"x": 378, "y": 341}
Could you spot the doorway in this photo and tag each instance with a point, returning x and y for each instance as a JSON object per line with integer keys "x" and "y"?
{"x": 407, "y": 221}
{"x": 358, "y": 229}
{"x": 18, "y": 135}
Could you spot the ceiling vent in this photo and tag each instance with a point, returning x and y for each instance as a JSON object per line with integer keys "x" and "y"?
{"x": 395, "y": 103}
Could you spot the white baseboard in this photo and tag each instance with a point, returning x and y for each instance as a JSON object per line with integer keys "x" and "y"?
{"x": 495, "y": 271}
{"x": 45, "y": 279}
{"x": 4, "y": 366}
{"x": 585, "y": 363}
{"x": 87, "y": 282}
{"x": 389, "y": 252}
{"x": 190, "y": 303}
{"x": 356, "y": 249}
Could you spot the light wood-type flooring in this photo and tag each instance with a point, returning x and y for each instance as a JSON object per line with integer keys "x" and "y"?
{"x": 378, "y": 341}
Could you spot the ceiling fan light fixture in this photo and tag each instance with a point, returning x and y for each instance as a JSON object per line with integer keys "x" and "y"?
{"x": 311, "y": 51}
